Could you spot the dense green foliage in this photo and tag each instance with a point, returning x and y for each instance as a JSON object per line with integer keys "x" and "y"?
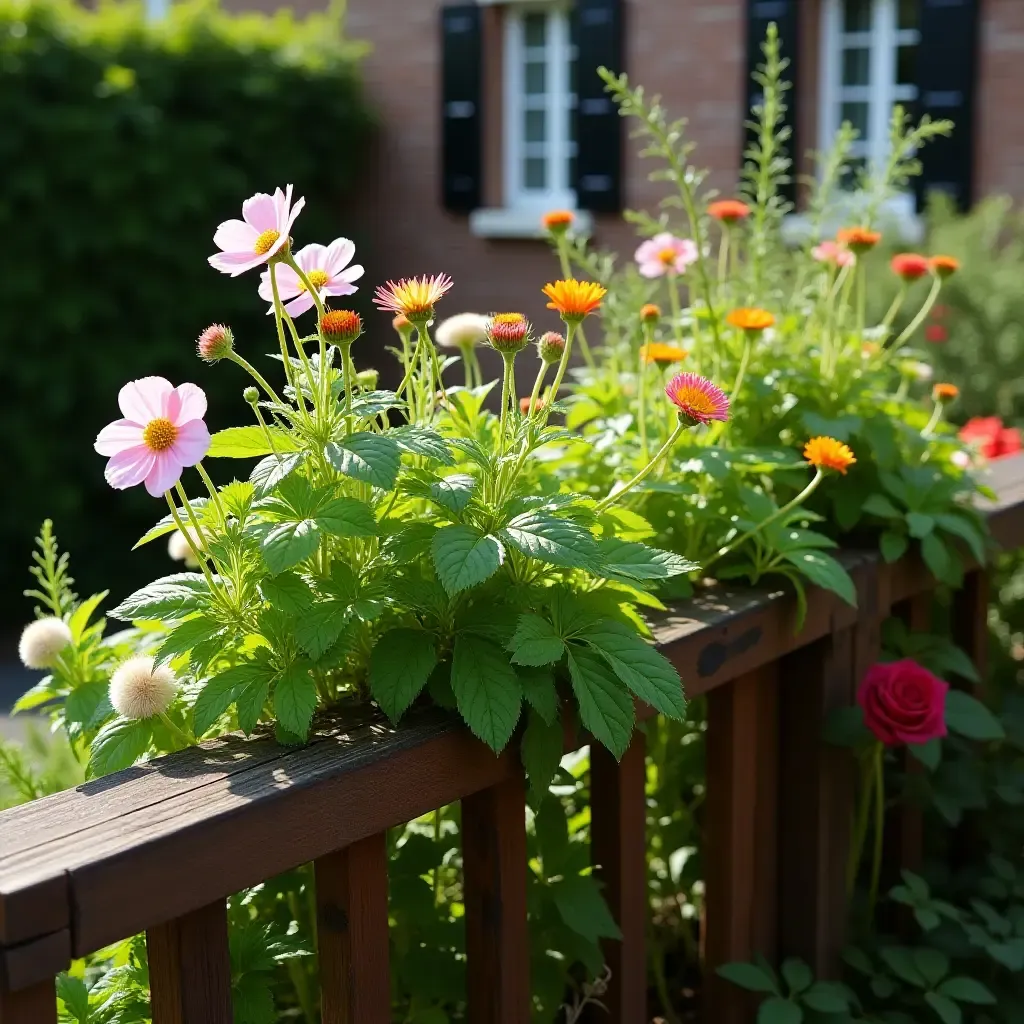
{"x": 123, "y": 145}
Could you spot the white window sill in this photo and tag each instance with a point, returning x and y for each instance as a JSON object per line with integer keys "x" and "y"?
{"x": 897, "y": 220}
{"x": 510, "y": 222}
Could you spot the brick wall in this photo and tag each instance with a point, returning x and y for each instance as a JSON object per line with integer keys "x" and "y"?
{"x": 999, "y": 133}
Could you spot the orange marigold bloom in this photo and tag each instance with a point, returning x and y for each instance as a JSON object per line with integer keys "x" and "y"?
{"x": 858, "y": 239}
{"x": 828, "y": 453}
{"x": 558, "y": 220}
{"x": 750, "y": 318}
{"x": 341, "y": 325}
{"x": 943, "y": 266}
{"x": 909, "y": 265}
{"x": 574, "y": 299}
{"x": 729, "y": 210}
{"x": 524, "y": 405}
{"x": 662, "y": 354}
{"x": 650, "y": 313}
{"x": 414, "y": 297}
{"x": 945, "y": 392}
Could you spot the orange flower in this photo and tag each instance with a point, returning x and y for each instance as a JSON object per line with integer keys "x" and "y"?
{"x": 650, "y": 313}
{"x": 412, "y": 296}
{"x": 662, "y": 354}
{"x": 557, "y": 221}
{"x": 574, "y": 299}
{"x": 750, "y": 318}
{"x": 943, "y": 266}
{"x": 909, "y": 265}
{"x": 524, "y": 405}
{"x": 729, "y": 210}
{"x": 945, "y": 392}
{"x": 858, "y": 239}
{"x": 401, "y": 323}
{"x": 828, "y": 453}
{"x": 341, "y": 325}
{"x": 870, "y": 348}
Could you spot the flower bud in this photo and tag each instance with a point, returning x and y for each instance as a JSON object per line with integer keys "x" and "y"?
{"x": 649, "y": 313}
{"x": 341, "y": 326}
{"x": 180, "y": 550}
{"x": 524, "y": 405}
{"x": 138, "y": 689}
{"x": 41, "y": 641}
{"x": 215, "y": 343}
{"x": 550, "y": 346}
{"x": 508, "y": 333}
{"x": 251, "y": 395}
{"x": 943, "y": 392}
{"x": 558, "y": 221}
{"x": 367, "y": 379}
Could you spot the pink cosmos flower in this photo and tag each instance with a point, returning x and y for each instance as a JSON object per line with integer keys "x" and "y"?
{"x": 162, "y": 432}
{"x": 328, "y": 270}
{"x": 261, "y": 233}
{"x": 833, "y": 253}
{"x": 697, "y": 399}
{"x": 665, "y": 254}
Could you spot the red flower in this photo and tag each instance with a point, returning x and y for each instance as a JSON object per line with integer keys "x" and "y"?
{"x": 990, "y": 437}
{"x": 909, "y": 265}
{"x": 903, "y": 703}
{"x": 936, "y": 333}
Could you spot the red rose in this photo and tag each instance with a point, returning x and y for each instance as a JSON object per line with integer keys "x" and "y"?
{"x": 903, "y": 703}
{"x": 990, "y": 437}
{"x": 936, "y": 333}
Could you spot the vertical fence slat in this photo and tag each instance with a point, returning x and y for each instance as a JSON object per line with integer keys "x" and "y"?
{"x": 970, "y": 619}
{"x": 618, "y": 848}
{"x": 494, "y": 869}
{"x": 34, "y": 1005}
{"x": 190, "y": 969}
{"x": 352, "y": 933}
{"x": 740, "y": 845}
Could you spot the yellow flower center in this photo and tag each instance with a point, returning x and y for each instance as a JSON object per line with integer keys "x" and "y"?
{"x": 317, "y": 278}
{"x": 265, "y": 242}
{"x": 667, "y": 256}
{"x": 159, "y": 434}
{"x": 698, "y": 401}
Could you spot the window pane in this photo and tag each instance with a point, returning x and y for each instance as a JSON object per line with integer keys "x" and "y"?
{"x": 856, "y": 66}
{"x": 857, "y": 16}
{"x": 535, "y": 126}
{"x": 857, "y": 115}
{"x": 906, "y": 65}
{"x": 535, "y": 29}
{"x": 536, "y": 78}
{"x": 851, "y": 178}
{"x": 909, "y": 14}
{"x": 535, "y": 172}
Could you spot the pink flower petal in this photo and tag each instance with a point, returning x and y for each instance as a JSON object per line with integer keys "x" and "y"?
{"x": 339, "y": 287}
{"x": 296, "y": 210}
{"x": 312, "y": 257}
{"x": 260, "y": 212}
{"x": 192, "y": 403}
{"x": 349, "y": 274}
{"x": 298, "y": 305}
{"x": 118, "y": 436}
{"x": 192, "y": 442}
{"x": 339, "y": 255}
{"x": 164, "y": 473}
{"x": 129, "y": 467}
{"x": 145, "y": 399}
{"x": 653, "y": 268}
{"x": 235, "y": 263}
{"x": 235, "y": 236}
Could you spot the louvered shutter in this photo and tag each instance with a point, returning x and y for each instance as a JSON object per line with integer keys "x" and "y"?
{"x": 461, "y": 95}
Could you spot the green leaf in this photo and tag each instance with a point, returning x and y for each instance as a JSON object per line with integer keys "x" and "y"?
{"x": 541, "y": 750}
{"x": 929, "y": 754}
{"x": 776, "y": 1010}
{"x": 184, "y": 636}
{"x": 893, "y": 545}
{"x": 486, "y": 688}
{"x": 749, "y": 976}
{"x": 932, "y": 964}
{"x": 249, "y": 442}
{"x": 845, "y": 727}
{"x": 535, "y": 641}
{"x": 464, "y": 557}
{"x": 919, "y": 524}
{"x": 347, "y": 517}
{"x": 824, "y": 571}
{"x": 75, "y": 997}
{"x": 967, "y": 716}
{"x": 797, "y": 975}
{"x": 269, "y": 472}
{"x": 79, "y": 620}
{"x": 552, "y": 540}
{"x": 287, "y": 592}
{"x": 424, "y": 442}
{"x": 647, "y": 673}
{"x": 171, "y": 597}
{"x": 252, "y": 999}
{"x": 400, "y": 665}
{"x": 967, "y": 990}
{"x": 317, "y": 629}
{"x": 640, "y": 562}
{"x": 900, "y": 961}
{"x": 118, "y": 745}
{"x": 583, "y": 908}
{"x": 827, "y": 997}
{"x": 224, "y": 689}
{"x": 936, "y": 556}
{"x": 43, "y": 691}
{"x": 250, "y": 702}
{"x": 540, "y": 691}
{"x": 606, "y": 706}
{"x": 286, "y": 544}
{"x": 842, "y": 428}
{"x": 372, "y": 458}
{"x": 879, "y": 505}
{"x": 453, "y": 492}
{"x": 963, "y": 528}
{"x": 295, "y": 699}
{"x": 948, "y": 1011}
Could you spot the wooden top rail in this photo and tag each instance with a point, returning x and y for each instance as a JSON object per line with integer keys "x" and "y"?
{"x": 122, "y": 854}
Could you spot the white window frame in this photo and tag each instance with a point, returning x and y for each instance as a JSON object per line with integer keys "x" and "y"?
{"x": 560, "y": 192}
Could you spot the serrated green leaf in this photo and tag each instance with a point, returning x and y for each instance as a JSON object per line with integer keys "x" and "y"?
{"x": 287, "y": 592}
{"x": 583, "y": 908}
{"x": 320, "y": 625}
{"x": 75, "y": 997}
{"x": 453, "y": 492}
{"x": 640, "y": 562}
{"x": 79, "y": 618}
{"x": 550, "y": 539}
{"x": 540, "y": 691}
{"x": 824, "y": 571}
{"x": 249, "y": 442}
{"x": 606, "y": 706}
{"x": 45, "y": 690}
{"x": 171, "y": 597}
{"x": 967, "y": 716}
{"x": 486, "y": 688}
{"x": 541, "y": 750}
{"x": 464, "y": 557}
{"x": 346, "y": 517}
{"x": 893, "y": 545}
{"x": 185, "y": 635}
{"x": 400, "y": 665}
{"x": 286, "y": 544}
{"x": 167, "y": 524}
{"x": 250, "y": 702}
{"x": 118, "y": 745}
{"x": 748, "y": 976}
{"x": 87, "y": 704}
{"x": 269, "y": 472}
{"x": 424, "y": 442}
{"x": 535, "y": 641}
{"x": 295, "y": 699}
{"x": 372, "y": 458}
{"x": 223, "y": 690}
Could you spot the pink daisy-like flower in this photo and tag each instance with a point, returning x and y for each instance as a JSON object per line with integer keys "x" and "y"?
{"x": 260, "y": 234}
{"x": 328, "y": 270}
{"x": 697, "y": 399}
{"x": 665, "y": 254}
{"x": 162, "y": 432}
{"x": 833, "y": 253}
{"x": 412, "y": 297}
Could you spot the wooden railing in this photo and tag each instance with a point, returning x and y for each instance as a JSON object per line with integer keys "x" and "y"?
{"x": 158, "y": 848}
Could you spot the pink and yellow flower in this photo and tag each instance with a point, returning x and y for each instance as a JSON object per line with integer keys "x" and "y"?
{"x": 162, "y": 432}
{"x": 414, "y": 297}
{"x": 833, "y": 254}
{"x": 664, "y": 254}
{"x": 697, "y": 399}
{"x": 261, "y": 234}
{"x": 328, "y": 270}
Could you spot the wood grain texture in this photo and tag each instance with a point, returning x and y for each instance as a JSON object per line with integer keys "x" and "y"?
{"x": 35, "y": 1005}
{"x": 494, "y": 872}
{"x": 741, "y": 840}
{"x": 352, "y": 933}
{"x": 18, "y": 964}
{"x": 618, "y": 819}
{"x": 970, "y": 624}
{"x": 190, "y": 968}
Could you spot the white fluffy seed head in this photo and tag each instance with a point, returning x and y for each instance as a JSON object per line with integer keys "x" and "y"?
{"x": 139, "y": 690}
{"x": 462, "y": 330}
{"x": 179, "y": 550}
{"x": 41, "y": 642}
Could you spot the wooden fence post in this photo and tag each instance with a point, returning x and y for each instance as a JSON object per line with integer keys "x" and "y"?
{"x": 34, "y": 1005}
{"x": 970, "y": 620}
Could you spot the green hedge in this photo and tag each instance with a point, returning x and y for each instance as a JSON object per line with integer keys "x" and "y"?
{"x": 122, "y": 146}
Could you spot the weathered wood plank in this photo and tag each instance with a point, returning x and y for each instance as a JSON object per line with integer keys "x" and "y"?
{"x": 494, "y": 869}
{"x": 352, "y": 933}
{"x": 190, "y": 968}
{"x": 35, "y": 1005}
{"x": 32, "y": 962}
{"x": 969, "y": 623}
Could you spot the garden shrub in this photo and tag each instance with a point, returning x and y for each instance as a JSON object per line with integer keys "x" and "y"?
{"x": 121, "y": 143}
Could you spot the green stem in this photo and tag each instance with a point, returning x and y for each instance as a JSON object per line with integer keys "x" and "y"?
{"x": 876, "y": 861}
{"x": 744, "y": 359}
{"x": 723, "y": 257}
{"x": 641, "y": 387}
{"x": 279, "y": 318}
{"x": 200, "y": 556}
{"x": 435, "y": 372}
{"x": 614, "y": 496}
{"x": 212, "y": 488}
{"x": 571, "y": 326}
{"x": 922, "y": 313}
{"x": 346, "y": 369}
{"x": 563, "y": 259}
{"x": 179, "y": 734}
{"x": 407, "y": 379}
{"x": 860, "y": 828}
{"x": 467, "y": 365}
{"x": 320, "y": 308}
{"x": 537, "y": 384}
{"x": 677, "y": 320}
{"x": 438, "y": 888}
{"x": 507, "y": 383}
{"x": 894, "y": 306}
{"x": 933, "y": 422}
{"x": 256, "y": 376}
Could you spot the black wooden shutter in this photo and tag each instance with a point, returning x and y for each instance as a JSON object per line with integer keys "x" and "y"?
{"x": 461, "y": 93}
{"x": 946, "y": 67}
{"x": 785, "y": 14}
{"x": 599, "y": 27}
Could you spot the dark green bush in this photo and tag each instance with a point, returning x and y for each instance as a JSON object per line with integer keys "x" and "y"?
{"x": 122, "y": 146}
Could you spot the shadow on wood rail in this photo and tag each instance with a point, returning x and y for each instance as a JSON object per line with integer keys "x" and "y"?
{"x": 159, "y": 847}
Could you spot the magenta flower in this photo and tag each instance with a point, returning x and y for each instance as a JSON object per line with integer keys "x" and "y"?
{"x": 261, "y": 233}
{"x": 328, "y": 270}
{"x": 697, "y": 399}
{"x": 162, "y": 432}
{"x": 834, "y": 254}
{"x": 665, "y": 254}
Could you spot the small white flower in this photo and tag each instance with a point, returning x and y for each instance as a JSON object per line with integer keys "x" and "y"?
{"x": 178, "y": 548}
{"x": 41, "y": 641}
{"x": 138, "y": 690}
{"x": 962, "y": 459}
{"x": 918, "y": 370}
{"x": 462, "y": 330}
